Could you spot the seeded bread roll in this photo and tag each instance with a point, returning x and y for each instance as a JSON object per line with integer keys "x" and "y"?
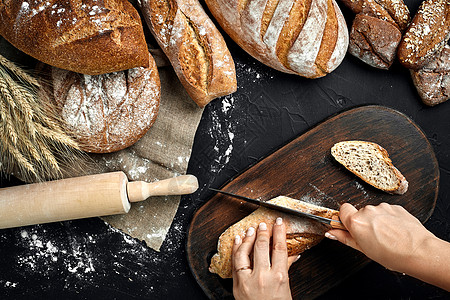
{"x": 106, "y": 112}
{"x": 301, "y": 233}
{"x": 427, "y": 35}
{"x": 194, "y": 46}
{"x": 90, "y": 37}
{"x": 371, "y": 163}
{"x": 305, "y": 37}
{"x": 433, "y": 80}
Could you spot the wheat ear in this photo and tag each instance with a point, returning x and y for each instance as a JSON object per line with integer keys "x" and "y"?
{"x": 35, "y": 143}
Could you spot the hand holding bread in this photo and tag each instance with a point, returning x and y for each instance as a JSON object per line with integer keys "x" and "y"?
{"x": 267, "y": 276}
{"x": 301, "y": 233}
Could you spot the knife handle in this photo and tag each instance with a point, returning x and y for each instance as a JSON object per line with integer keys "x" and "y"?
{"x": 336, "y": 223}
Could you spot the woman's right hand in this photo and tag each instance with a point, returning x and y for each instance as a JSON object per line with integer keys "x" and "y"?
{"x": 386, "y": 233}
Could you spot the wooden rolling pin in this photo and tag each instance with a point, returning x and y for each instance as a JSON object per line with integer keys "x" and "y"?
{"x": 82, "y": 197}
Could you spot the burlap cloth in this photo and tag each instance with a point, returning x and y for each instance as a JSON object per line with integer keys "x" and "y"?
{"x": 163, "y": 152}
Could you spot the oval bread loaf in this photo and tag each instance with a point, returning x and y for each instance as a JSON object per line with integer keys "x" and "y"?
{"x": 90, "y": 37}
{"x": 301, "y": 233}
{"x": 427, "y": 35}
{"x": 304, "y": 37}
{"x": 371, "y": 163}
{"x": 433, "y": 80}
{"x": 194, "y": 46}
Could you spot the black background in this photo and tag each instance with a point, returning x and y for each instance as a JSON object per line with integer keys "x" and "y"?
{"x": 87, "y": 259}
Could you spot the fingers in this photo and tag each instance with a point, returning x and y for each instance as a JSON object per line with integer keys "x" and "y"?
{"x": 279, "y": 251}
{"x": 292, "y": 259}
{"x": 241, "y": 252}
{"x": 346, "y": 212}
{"x": 342, "y": 236}
{"x": 261, "y": 256}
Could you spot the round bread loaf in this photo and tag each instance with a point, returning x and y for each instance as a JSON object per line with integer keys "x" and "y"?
{"x": 90, "y": 37}
{"x": 305, "y": 37}
{"x": 107, "y": 112}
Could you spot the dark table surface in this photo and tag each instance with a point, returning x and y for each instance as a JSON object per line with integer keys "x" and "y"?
{"x": 87, "y": 259}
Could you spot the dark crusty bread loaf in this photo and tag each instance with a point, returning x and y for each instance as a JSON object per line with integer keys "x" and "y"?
{"x": 305, "y": 37}
{"x": 427, "y": 35}
{"x": 89, "y": 37}
{"x": 374, "y": 41}
{"x": 371, "y": 163}
{"x": 194, "y": 46}
{"x": 107, "y": 112}
{"x": 392, "y": 11}
{"x": 301, "y": 233}
{"x": 377, "y": 30}
{"x": 433, "y": 80}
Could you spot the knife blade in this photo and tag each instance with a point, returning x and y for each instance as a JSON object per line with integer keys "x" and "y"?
{"x": 334, "y": 222}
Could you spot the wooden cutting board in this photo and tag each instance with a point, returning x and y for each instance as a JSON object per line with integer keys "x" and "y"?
{"x": 305, "y": 168}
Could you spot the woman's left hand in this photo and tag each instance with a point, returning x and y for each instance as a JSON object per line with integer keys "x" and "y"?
{"x": 268, "y": 278}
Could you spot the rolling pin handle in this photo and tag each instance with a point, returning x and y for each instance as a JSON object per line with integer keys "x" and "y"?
{"x": 336, "y": 223}
{"x": 181, "y": 185}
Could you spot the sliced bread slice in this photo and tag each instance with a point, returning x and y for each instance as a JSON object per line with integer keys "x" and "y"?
{"x": 371, "y": 163}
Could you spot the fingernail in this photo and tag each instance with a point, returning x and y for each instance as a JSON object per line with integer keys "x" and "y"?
{"x": 262, "y": 226}
{"x": 330, "y": 236}
{"x": 279, "y": 221}
{"x": 298, "y": 257}
{"x": 250, "y": 231}
{"x": 237, "y": 239}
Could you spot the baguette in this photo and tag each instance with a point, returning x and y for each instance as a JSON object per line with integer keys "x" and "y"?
{"x": 304, "y": 37}
{"x": 89, "y": 37}
{"x": 371, "y": 163}
{"x": 301, "y": 233}
{"x": 194, "y": 46}
{"x": 427, "y": 35}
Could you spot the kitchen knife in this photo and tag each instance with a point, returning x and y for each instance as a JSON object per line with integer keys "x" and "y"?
{"x": 334, "y": 222}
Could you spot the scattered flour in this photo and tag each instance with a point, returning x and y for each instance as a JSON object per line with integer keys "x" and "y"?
{"x": 360, "y": 187}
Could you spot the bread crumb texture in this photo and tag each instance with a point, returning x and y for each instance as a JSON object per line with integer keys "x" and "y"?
{"x": 371, "y": 163}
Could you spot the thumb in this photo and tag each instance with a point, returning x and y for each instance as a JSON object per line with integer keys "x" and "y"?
{"x": 344, "y": 237}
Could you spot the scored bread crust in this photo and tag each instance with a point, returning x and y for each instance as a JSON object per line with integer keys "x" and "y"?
{"x": 427, "y": 35}
{"x": 433, "y": 80}
{"x": 343, "y": 151}
{"x": 301, "y": 233}
{"x": 304, "y": 37}
{"x": 194, "y": 47}
{"x": 89, "y": 37}
{"x": 107, "y": 112}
